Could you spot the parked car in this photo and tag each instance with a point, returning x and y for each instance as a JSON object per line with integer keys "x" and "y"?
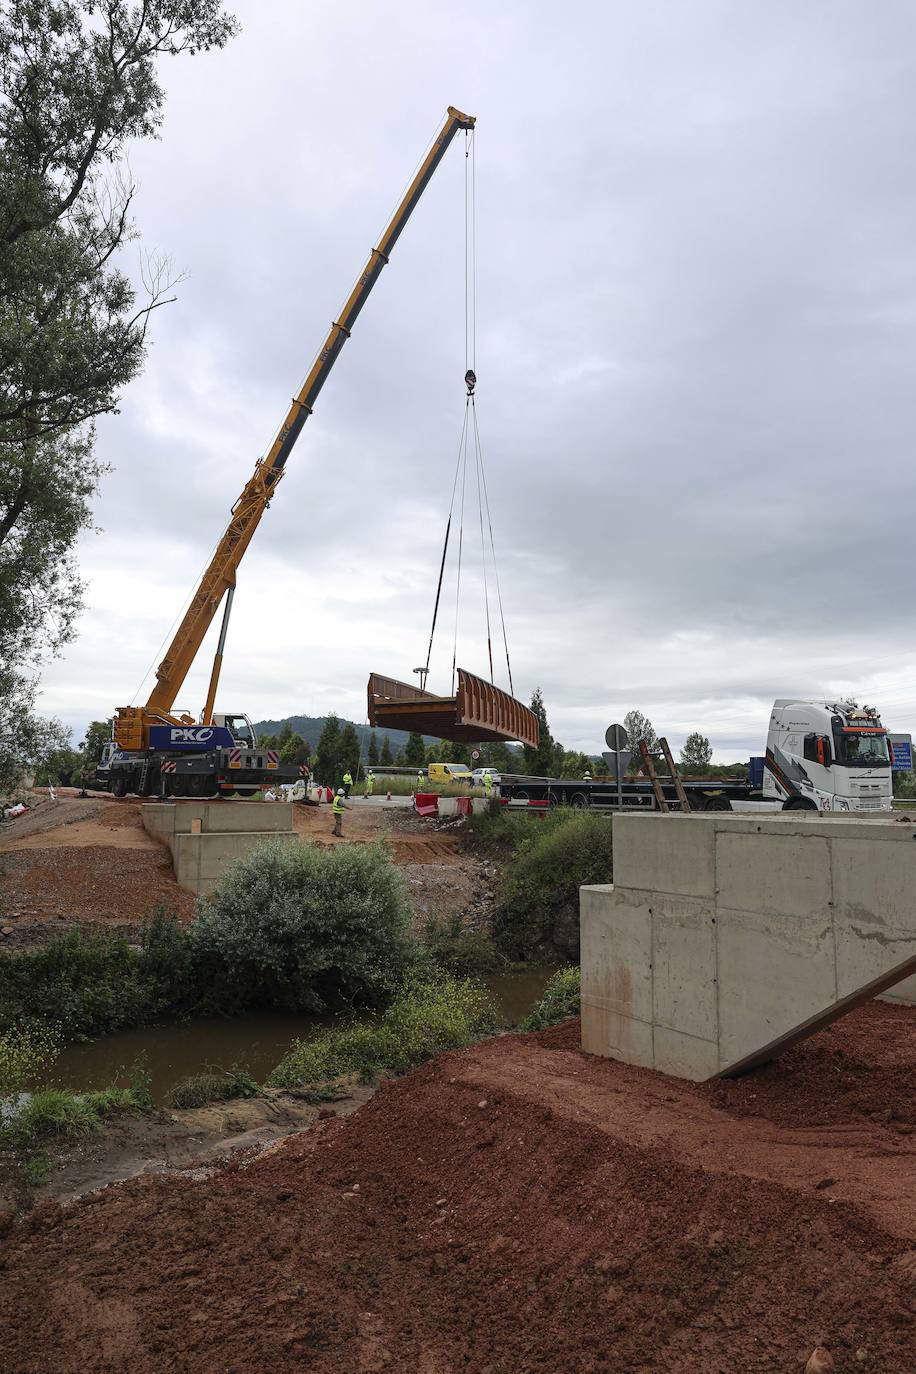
{"x": 449, "y": 772}
{"x": 478, "y": 775}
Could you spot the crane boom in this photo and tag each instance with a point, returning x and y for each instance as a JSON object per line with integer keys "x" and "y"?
{"x": 132, "y": 723}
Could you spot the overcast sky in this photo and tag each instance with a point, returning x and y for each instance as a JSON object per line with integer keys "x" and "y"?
{"x": 695, "y": 349}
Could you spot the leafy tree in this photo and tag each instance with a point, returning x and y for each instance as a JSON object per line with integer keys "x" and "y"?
{"x": 268, "y": 741}
{"x": 295, "y": 750}
{"x": 98, "y": 733}
{"x": 696, "y": 754}
{"x": 385, "y": 756}
{"x": 432, "y": 755}
{"x": 285, "y": 735}
{"x": 349, "y": 750}
{"x": 576, "y": 765}
{"x": 372, "y": 752}
{"x": 415, "y": 751}
{"x": 62, "y": 767}
{"x": 541, "y": 761}
{"x": 638, "y": 727}
{"x": 25, "y": 739}
{"x": 328, "y": 754}
{"x": 78, "y": 83}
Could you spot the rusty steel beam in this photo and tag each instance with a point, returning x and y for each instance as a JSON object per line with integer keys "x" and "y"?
{"x": 478, "y": 712}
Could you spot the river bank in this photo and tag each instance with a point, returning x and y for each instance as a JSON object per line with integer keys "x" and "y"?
{"x": 515, "y": 1204}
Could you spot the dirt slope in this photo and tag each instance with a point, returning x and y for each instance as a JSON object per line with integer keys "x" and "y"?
{"x": 511, "y": 1208}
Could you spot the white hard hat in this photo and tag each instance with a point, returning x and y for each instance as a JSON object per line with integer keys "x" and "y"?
{"x": 340, "y": 791}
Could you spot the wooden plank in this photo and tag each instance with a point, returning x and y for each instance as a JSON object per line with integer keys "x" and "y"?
{"x": 649, "y": 766}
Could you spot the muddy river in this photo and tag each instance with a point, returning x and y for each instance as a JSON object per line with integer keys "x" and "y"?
{"x": 174, "y": 1051}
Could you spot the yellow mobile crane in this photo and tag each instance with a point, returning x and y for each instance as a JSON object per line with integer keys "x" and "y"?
{"x": 156, "y": 752}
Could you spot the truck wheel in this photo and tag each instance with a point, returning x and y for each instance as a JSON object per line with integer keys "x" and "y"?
{"x": 119, "y": 785}
{"x": 799, "y": 804}
{"x": 578, "y": 799}
{"x": 717, "y": 804}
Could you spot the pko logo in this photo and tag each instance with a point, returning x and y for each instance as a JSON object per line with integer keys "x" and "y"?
{"x": 191, "y": 735}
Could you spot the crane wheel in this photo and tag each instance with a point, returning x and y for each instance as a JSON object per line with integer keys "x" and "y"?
{"x": 579, "y": 800}
{"x": 717, "y": 803}
{"x": 119, "y": 786}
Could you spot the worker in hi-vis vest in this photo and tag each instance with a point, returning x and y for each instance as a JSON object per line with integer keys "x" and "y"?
{"x": 338, "y": 806}
{"x": 347, "y": 782}
{"x": 370, "y": 784}
{"x": 488, "y": 785}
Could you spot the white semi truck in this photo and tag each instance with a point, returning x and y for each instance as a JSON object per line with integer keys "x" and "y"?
{"x": 820, "y": 756}
{"x": 827, "y": 756}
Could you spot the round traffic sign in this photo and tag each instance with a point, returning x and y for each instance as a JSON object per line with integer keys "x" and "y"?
{"x": 475, "y": 753}
{"x": 616, "y": 738}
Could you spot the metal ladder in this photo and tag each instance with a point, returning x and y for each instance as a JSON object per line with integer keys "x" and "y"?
{"x": 661, "y": 801}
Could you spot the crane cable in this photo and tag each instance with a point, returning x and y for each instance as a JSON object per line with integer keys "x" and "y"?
{"x": 470, "y": 433}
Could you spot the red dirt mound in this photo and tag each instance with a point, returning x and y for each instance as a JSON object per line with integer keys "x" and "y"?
{"x": 511, "y": 1208}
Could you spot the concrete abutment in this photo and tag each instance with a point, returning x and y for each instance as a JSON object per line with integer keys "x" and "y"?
{"x": 725, "y": 938}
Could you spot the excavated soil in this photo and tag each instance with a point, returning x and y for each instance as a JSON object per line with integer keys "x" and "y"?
{"x": 510, "y": 1208}
{"x": 90, "y": 862}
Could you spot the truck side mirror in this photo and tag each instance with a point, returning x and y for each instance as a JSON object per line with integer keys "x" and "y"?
{"x": 823, "y": 751}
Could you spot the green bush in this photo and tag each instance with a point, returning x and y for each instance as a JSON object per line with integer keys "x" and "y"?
{"x": 427, "y": 1017}
{"x": 559, "y": 1000}
{"x": 461, "y": 952}
{"x": 304, "y": 928}
{"x": 537, "y": 911}
{"x": 214, "y": 1085}
{"x": 91, "y": 984}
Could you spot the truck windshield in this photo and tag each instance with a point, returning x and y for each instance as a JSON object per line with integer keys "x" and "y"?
{"x": 857, "y": 750}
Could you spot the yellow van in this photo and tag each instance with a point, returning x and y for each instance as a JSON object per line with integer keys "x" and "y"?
{"x": 448, "y": 772}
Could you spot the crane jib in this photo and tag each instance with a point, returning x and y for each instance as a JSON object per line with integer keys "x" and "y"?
{"x": 341, "y": 330}
{"x": 247, "y": 511}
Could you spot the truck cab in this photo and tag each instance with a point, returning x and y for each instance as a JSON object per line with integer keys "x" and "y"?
{"x": 827, "y": 756}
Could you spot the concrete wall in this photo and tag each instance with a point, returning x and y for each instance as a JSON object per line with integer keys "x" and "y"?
{"x": 163, "y": 819}
{"x": 722, "y": 934}
{"x": 228, "y": 830}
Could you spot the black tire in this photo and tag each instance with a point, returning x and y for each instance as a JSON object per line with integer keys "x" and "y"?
{"x": 717, "y": 803}
{"x": 798, "y": 804}
{"x": 119, "y": 785}
{"x": 579, "y": 800}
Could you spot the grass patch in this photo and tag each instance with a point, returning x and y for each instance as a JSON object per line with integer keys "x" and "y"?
{"x": 429, "y": 1016}
{"x": 559, "y": 1000}
{"x": 213, "y": 1085}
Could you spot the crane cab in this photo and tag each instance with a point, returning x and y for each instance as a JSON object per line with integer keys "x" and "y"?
{"x": 239, "y": 726}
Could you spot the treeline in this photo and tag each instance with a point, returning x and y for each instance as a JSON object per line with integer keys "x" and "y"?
{"x": 339, "y": 749}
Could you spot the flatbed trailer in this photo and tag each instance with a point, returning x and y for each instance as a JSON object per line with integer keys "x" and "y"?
{"x": 704, "y": 794}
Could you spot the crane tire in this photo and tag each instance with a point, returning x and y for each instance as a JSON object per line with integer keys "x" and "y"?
{"x": 579, "y": 800}
{"x": 119, "y": 786}
{"x": 717, "y": 803}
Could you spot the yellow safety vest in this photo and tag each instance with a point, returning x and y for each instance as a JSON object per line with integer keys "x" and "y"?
{"x": 337, "y": 806}
{"x": 347, "y": 779}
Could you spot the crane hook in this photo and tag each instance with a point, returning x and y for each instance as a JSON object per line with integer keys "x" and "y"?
{"x": 471, "y": 380}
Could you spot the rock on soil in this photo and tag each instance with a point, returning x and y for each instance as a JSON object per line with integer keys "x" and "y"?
{"x": 512, "y": 1208}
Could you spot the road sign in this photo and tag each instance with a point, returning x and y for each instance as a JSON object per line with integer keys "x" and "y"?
{"x": 475, "y": 753}
{"x": 901, "y": 753}
{"x": 616, "y": 738}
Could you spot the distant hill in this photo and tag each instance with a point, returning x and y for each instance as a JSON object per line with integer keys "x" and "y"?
{"x": 310, "y": 727}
